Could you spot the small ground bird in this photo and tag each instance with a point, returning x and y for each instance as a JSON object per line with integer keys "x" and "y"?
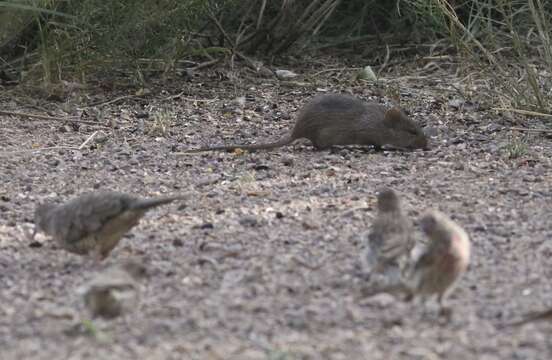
{"x": 94, "y": 223}
{"x": 444, "y": 260}
{"x": 391, "y": 238}
{"x": 115, "y": 290}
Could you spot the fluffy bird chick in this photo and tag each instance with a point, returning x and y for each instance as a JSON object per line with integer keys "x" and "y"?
{"x": 114, "y": 291}
{"x": 444, "y": 260}
{"x": 94, "y": 223}
{"x": 391, "y": 237}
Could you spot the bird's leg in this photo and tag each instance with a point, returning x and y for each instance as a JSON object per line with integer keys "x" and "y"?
{"x": 98, "y": 256}
{"x": 444, "y": 310}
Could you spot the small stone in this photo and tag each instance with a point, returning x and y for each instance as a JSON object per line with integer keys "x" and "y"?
{"x": 381, "y": 300}
{"x": 206, "y": 226}
{"x": 458, "y": 166}
{"x": 367, "y": 74}
{"x": 455, "y": 103}
{"x": 287, "y": 161}
{"x": 285, "y": 74}
{"x": 260, "y": 167}
{"x": 249, "y": 221}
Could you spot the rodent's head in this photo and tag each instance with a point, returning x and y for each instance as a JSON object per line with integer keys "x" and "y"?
{"x": 388, "y": 200}
{"x": 405, "y": 133}
{"x": 137, "y": 270}
{"x": 42, "y": 217}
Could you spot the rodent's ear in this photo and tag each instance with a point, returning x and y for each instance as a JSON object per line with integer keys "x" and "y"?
{"x": 393, "y": 115}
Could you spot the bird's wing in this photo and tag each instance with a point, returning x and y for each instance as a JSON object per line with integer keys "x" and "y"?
{"x": 393, "y": 237}
{"x": 394, "y": 246}
{"x": 88, "y": 214}
{"x": 375, "y": 237}
{"x": 426, "y": 260}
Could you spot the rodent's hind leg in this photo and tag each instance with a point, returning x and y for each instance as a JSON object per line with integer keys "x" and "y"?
{"x": 324, "y": 139}
{"x": 319, "y": 147}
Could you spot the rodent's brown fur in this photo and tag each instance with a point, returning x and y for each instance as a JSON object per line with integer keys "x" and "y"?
{"x": 336, "y": 119}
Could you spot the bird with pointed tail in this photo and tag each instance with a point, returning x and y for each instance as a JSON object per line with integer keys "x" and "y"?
{"x": 94, "y": 223}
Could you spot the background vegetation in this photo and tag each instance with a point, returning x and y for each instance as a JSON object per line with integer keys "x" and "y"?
{"x": 55, "y": 40}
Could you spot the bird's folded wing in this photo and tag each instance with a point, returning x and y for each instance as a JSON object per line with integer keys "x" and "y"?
{"x": 88, "y": 217}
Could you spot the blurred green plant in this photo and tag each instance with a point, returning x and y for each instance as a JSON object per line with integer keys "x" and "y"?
{"x": 517, "y": 147}
{"x": 73, "y": 39}
{"x": 492, "y": 33}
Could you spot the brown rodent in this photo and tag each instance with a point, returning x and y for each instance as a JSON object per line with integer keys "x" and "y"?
{"x": 336, "y": 119}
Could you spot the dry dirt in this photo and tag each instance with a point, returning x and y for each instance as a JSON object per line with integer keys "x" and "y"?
{"x": 263, "y": 260}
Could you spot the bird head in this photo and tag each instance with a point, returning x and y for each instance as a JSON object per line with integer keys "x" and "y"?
{"x": 388, "y": 200}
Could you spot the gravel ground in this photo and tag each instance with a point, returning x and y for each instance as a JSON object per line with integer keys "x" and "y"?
{"x": 262, "y": 261}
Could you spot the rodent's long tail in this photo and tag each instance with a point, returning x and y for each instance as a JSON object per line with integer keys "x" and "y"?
{"x": 286, "y": 140}
{"x": 539, "y": 316}
{"x": 150, "y": 203}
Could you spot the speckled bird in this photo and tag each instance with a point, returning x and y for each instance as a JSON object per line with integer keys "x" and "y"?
{"x": 94, "y": 223}
{"x": 392, "y": 235}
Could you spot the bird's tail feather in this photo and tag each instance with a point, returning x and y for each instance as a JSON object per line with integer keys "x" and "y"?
{"x": 150, "y": 203}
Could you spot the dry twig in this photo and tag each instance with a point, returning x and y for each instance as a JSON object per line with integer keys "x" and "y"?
{"x": 44, "y": 117}
{"x": 531, "y": 130}
{"x": 524, "y": 112}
